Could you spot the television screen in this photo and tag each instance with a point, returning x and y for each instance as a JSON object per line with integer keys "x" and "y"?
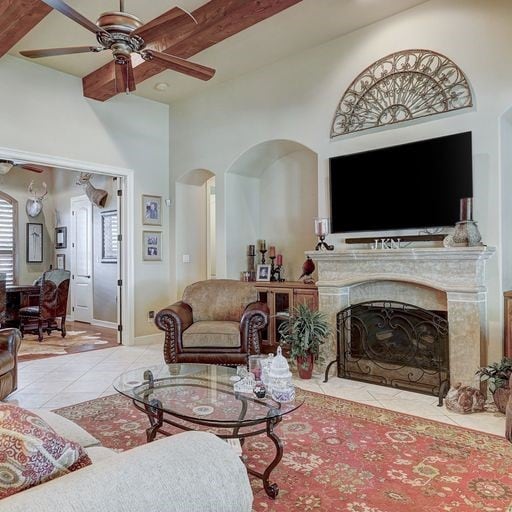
{"x": 416, "y": 185}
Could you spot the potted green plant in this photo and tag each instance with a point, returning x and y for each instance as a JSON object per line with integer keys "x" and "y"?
{"x": 303, "y": 333}
{"x": 497, "y": 376}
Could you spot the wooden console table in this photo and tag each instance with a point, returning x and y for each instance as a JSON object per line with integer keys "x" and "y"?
{"x": 280, "y": 297}
{"x": 19, "y": 296}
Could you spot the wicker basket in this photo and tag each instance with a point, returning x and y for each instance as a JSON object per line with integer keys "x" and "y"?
{"x": 501, "y": 396}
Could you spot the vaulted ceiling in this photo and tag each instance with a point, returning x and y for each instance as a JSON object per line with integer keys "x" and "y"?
{"x": 233, "y": 36}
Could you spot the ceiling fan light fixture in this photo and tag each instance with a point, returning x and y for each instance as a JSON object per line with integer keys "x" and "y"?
{"x": 6, "y": 166}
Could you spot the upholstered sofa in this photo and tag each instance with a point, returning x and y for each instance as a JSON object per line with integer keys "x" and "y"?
{"x": 188, "y": 472}
{"x": 218, "y": 321}
{"x": 10, "y": 340}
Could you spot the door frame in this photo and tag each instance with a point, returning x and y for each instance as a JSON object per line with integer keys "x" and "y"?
{"x": 127, "y": 219}
{"x": 72, "y": 240}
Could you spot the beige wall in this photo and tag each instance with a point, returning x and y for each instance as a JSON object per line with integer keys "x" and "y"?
{"x": 44, "y": 111}
{"x": 15, "y": 184}
{"x": 295, "y": 99}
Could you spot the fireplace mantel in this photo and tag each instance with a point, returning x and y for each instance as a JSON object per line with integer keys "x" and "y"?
{"x": 459, "y": 272}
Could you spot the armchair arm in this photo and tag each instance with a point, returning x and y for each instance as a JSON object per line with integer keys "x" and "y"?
{"x": 254, "y": 319}
{"x": 188, "y": 472}
{"x": 10, "y": 340}
{"x": 174, "y": 319}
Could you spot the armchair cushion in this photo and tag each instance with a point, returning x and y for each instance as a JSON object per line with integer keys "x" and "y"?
{"x": 212, "y": 334}
{"x": 219, "y": 299}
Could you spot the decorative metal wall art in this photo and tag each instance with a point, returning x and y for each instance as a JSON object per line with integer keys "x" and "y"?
{"x": 402, "y": 86}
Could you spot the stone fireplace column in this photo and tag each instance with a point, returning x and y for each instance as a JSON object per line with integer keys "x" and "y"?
{"x": 331, "y": 301}
{"x": 467, "y": 318}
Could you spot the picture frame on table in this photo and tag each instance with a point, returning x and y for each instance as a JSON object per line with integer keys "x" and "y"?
{"x": 263, "y": 273}
{"x": 152, "y": 245}
{"x": 60, "y": 261}
{"x": 61, "y": 237}
{"x": 152, "y": 210}
{"x": 34, "y": 242}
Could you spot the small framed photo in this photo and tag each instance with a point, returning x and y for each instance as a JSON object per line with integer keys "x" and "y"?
{"x": 152, "y": 245}
{"x": 60, "y": 261}
{"x": 34, "y": 242}
{"x": 61, "y": 238}
{"x": 263, "y": 273}
{"x": 152, "y": 210}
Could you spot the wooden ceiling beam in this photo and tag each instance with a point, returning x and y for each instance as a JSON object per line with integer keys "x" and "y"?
{"x": 217, "y": 20}
{"x": 18, "y": 18}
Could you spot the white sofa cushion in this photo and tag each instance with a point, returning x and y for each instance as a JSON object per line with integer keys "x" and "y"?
{"x": 99, "y": 453}
{"x": 67, "y": 428}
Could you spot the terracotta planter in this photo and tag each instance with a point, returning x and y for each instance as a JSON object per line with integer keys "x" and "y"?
{"x": 305, "y": 366}
{"x": 500, "y": 397}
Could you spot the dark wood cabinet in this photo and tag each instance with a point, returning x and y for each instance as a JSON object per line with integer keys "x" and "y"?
{"x": 280, "y": 297}
{"x": 507, "y": 339}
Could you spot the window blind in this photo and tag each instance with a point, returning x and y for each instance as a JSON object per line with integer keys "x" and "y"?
{"x": 7, "y": 238}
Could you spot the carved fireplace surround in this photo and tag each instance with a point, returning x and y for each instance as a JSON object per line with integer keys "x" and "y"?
{"x": 450, "y": 279}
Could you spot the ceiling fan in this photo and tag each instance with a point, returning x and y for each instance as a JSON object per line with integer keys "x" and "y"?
{"x": 7, "y": 165}
{"x": 124, "y": 34}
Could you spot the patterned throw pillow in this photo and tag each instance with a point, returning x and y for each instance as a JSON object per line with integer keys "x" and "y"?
{"x": 31, "y": 452}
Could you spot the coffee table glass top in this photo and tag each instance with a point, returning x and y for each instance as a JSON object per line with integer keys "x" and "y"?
{"x": 199, "y": 393}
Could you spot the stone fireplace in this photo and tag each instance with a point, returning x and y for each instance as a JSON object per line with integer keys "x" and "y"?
{"x": 450, "y": 280}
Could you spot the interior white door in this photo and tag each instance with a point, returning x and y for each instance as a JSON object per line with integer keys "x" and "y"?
{"x": 81, "y": 259}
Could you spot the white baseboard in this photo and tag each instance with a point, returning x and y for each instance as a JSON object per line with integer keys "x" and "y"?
{"x": 148, "y": 339}
{"x": 103, "y": 323}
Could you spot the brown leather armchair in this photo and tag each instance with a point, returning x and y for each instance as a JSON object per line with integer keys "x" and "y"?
{"x": 53, "y": 304}
{"x": 10, "y": 340}
{"x": 217, "y": 322}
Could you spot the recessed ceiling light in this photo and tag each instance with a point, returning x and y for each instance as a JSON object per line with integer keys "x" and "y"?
{"x": 161, "y": 86}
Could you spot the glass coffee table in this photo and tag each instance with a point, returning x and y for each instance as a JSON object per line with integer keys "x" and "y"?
{"x": 201, "y": 397}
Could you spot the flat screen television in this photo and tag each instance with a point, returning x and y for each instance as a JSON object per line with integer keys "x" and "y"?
{"x": 416, "y": 185}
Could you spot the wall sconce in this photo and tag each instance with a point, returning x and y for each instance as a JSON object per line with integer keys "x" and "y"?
{"x": 321, "y": 231}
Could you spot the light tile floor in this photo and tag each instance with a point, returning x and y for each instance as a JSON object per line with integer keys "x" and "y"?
{"x": 64, "y": 380}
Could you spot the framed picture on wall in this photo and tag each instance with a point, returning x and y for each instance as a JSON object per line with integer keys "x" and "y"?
{"x": 34, "y": 242}
{"x": 60, "y": 261}
{"x": 61, "y": 238}
{"x": 152, "y": 245}
{"x": 152, "y": 210}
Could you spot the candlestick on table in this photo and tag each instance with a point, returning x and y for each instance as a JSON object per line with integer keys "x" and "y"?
{"x": 263, "y": 245}
{"x": 279, "y": 260}
{"x": 272, "y": 251}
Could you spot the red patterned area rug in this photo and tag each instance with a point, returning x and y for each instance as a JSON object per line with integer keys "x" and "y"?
{"x": 344, "y": 456}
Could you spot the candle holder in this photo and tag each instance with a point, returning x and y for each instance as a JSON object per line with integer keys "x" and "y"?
{"x": 322, "y": 244}
{"x": 275, "y": 270}
{"x": 321, "y": 231}
{"x": 263, "y": 251}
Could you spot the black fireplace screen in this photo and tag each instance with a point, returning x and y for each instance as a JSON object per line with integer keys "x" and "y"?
{"x": 394, "y": 344}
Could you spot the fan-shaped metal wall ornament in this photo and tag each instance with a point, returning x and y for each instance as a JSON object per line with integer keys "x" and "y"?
{"x": 399, "y": 87}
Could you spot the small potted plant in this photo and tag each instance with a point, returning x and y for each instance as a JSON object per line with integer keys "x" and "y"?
{"x": 303, "y": 333}
{"x": 497, "y": 376}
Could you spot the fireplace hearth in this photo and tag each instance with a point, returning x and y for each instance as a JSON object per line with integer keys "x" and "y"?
{"x": 394, "y": 344}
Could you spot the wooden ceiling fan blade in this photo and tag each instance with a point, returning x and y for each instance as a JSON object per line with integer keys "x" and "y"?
{"x": 163, "y": 24}
{"x": 50, "y": 52}
{"x": 68, "y": 11}
{"x": 125, "y": 79}
{"x": 181, "y": 65}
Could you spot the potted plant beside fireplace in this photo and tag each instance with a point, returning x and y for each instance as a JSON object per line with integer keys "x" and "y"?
{"x": 303, "y": 333}
{"x": 497, "y": 376}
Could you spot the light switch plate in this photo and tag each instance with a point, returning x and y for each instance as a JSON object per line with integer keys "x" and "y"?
{"x": 186, "y": 258}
